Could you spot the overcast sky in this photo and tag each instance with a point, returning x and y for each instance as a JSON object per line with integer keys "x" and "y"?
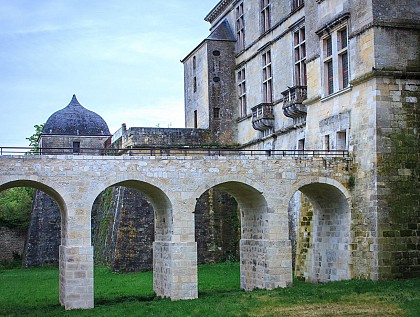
{"x": 120, "y": 57}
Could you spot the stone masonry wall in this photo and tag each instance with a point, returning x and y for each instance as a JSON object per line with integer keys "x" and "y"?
{"x": 12, "y": 243}
{"x": 44, "y": 233}
{"x": 398, "y": 177}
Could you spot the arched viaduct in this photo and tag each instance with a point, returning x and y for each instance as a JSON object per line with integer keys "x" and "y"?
{"x": 262, "y": 186}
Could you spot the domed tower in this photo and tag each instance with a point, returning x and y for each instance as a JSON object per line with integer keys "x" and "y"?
{"x": 74, "y": 129}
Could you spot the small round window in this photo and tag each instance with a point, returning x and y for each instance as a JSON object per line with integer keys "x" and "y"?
{"x": 216, "y": 53}
{"x": 216, "y": 79}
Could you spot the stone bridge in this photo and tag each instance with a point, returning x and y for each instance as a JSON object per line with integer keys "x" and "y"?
{"x": 262, "y": 186}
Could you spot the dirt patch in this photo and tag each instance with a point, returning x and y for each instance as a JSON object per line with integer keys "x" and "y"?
{"x": 348, "y": 306}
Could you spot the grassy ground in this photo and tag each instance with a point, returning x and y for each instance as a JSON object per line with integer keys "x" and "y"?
{"x": 35, "y": 293}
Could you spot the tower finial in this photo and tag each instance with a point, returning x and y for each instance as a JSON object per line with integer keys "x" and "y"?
{"x": 74, "y": 101}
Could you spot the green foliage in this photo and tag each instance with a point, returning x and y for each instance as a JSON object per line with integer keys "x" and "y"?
{"x": 34, "y": 139}
{"x": 34, "y": 292}
{"x": 352, "y": 182}
{"x": 16, "y": 207}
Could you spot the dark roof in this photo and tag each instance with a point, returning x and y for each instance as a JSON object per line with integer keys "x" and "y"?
{"x": 223, "y": 32}
{"x": 75, "y": 120}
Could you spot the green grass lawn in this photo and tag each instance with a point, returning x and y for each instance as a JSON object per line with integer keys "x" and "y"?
{"x": 34, "y": 292}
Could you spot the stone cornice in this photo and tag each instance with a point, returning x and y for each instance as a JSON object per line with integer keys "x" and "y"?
{"x": 217, "y": 10}
{"x": 336, "y": 21}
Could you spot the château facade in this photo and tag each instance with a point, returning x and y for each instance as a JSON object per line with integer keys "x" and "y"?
{"x": 323, "y": 75}
{"x": 326, "y": 75}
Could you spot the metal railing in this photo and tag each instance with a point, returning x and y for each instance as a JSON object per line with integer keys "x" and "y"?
{"x": 172, "y": 151}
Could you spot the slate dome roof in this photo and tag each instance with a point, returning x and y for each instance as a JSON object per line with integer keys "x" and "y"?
{"x": 75, "y": 120}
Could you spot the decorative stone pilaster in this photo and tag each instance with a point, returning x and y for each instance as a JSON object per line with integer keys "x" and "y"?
{"x": 265, "y": 264}
{"x": 175, "y": 270}
{"x": 76, "y": 277}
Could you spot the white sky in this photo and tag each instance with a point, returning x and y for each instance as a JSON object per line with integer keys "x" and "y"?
{"x": 120, "y": 57}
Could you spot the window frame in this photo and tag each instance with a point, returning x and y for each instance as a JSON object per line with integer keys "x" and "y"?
{"x": 335, "y": 60}
{"x": 296, "y": 4}
{"x": 265, "y": 15}
{"x": 76, "y": 147}
{"x": 267, "y": 76}
{"x": 240, "y": 26}
{"x": 299, "y": 55}
{"x": 241, "y": 83}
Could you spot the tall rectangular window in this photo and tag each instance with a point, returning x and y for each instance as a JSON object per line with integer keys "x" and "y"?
{"x": 216, "y": 113}
{"x": 195, "y": 119}
{"x": 301, "y": 145}
{"x": 242, "y": 92}
{"x": 76, "y": 147}
{"x": 265, "y": 15}
{"x": 299, "y": 46}
{"x": 267, "y": 77}
{"x": 336, "y": 61}
{"x": 330, "y": 76}
{"x": 296, "y": 4}
{"x": 343, "y": 58}
{"x": 341, "y": 141}
{"x": 240, "y": 27}
{"x": 327, "y": 142}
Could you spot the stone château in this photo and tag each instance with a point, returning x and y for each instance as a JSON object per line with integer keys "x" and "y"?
{"x": 317, "y": 75}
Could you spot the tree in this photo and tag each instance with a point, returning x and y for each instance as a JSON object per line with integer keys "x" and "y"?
{"x": 34, "y": 139}
{"x": 16, "y": 207}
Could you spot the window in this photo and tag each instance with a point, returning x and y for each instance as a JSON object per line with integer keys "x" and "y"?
{"x": 242, "y": 92}
{"x": 343, "y": 58}
{"x": 240, "y": 27}
{"x": 301, "y": 145}
{"x": 336, "y": 61}
{"x": 76, "y": 147}
{"x": 341, "y": 140}
{"x": 300, "y": 57}
{"x": 216, "y": 113}
{"x": 327, "y": 142}
{"x": 265, "y": 15}
{"x": 195, "y": 119}
{"x": 267, "y": 77}
{"x": 296, "y": 4}
{"x": 194, "y": 74}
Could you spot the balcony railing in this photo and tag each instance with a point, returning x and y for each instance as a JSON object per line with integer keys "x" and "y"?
{"x": 293, "y": 98}
{"x": 263, "y": 116}
{"x": 89, "y": 153}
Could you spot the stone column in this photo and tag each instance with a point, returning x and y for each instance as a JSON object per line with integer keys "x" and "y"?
{"x": 175, "y": 260}
{"x": 76, "y": 277}
{"x": 76, "y": 259}
{"x": 265, "y": 264}
{"x": 175, "y": 270}
{"x": 266, "y": 252}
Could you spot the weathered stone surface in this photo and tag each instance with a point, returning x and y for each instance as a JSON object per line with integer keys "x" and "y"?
{"x": 12, "y": 242}
{"x": 173, "y": 185}
{"x": 44, "y": 233}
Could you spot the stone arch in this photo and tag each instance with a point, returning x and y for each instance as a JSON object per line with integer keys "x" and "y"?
{"x": 323, "y": 244}
{"x": 160, "y": 201}
{"x": 264, "y": 260}
{"x": 50, "y": 189}
{"x": 163, "y": 231}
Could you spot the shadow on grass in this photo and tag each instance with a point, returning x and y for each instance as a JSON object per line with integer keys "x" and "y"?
{"x": 123, "y": 299}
